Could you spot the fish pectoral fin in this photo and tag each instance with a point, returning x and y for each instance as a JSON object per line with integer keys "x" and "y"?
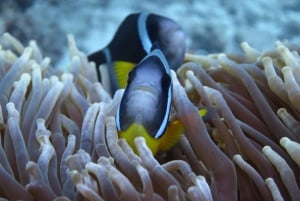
{"x": 121, "y": 69}
{"x": 171, "y": 136}
{"x": 174, "y": 131}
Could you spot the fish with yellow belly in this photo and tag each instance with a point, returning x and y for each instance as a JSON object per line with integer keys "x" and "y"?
{"x": 145, "y": 106}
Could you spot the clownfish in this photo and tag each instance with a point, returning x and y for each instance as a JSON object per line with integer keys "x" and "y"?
{"x": 133, "y": 41}
{"x": 146, "y": 103}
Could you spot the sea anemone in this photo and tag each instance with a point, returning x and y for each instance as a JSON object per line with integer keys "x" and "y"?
{"x": 59, "y": 139}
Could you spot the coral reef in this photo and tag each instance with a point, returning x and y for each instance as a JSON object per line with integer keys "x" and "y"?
{"x": 59, "y": 140}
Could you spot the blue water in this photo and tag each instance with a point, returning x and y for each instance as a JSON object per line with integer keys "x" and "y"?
{"x": 210, "y": 25}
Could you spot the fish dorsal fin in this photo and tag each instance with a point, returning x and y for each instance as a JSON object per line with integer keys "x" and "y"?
{"x": 122, "y": 69}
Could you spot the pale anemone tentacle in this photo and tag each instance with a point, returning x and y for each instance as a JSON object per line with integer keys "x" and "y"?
{"x": 127, "y": 190}
{"x": 237, "y": 108}
{"x": 286, "y": 173}
{"x": 173, "y": 193}
{"x": 9, "y": 184}
{"x": 291, "y": 86}
{"x": 19, "y": 147}
{"x": 102, "y": 93}
{"x": 274, "y": 190}
{"x": 17, "y": 45}
{"x": 89, "y": 70}
{"x": 188, "y": 114}
{"x": 265, "y": 110}
{"x": 275, "y": 82}
{"x": 120, "y": 158}
{"x": 36, "y": 52}
{"x": 263, "y": 141}
{"x": 88, "y": 126}
{"x": 71, "y": 127}
{"x": 45, "y": 110}
{"x": 70, "y": 147}
{"x": 105, "y": 109}
{"x": 207, "y": 62}
{"x": 20, "y": 88}
{"x": 256, "y": 178}
{"x": 6, "y": 83}
{"x": 201, "y": 190}
{"x": 99, "y": 140}
{"x": 221, "y": 128}
{"x": 85, "y": 190}
{"x": 148, "y": 193}
{"x": 156, "y": 171}
{"x": 293, "y": 148}
{"x": 106, "y": 186}
{"x": 289, "y": 121}
{"x": 33, "y": 101}
{"x": 78, "y": 160}
{"x": 75, "y": 111}
{"x": 37, "y": 186}
{"x": 247, "y": 149}
{"x": 290, "y": 58}
{"x": 57, "y": 138}
{"x": 76, "y": 106}
{"x": 191, "y": 157}
{"x": 46, "y": 160}
{"x": 135, "y": 159}
{"x": 252, "y": 54}
{"x": 89, "y": 89}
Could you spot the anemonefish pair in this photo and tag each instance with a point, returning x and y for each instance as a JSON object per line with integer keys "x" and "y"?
{"x": 155, "y": 44}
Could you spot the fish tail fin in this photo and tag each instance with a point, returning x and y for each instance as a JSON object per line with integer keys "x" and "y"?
{"x": 97, "y": 57}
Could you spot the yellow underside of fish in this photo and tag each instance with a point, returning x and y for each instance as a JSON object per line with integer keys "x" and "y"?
{"x": 122, "y": 68}
{"x": 136, "y": 130}
{"x": 170, "y": 138}
{"x": 167, "y": 141}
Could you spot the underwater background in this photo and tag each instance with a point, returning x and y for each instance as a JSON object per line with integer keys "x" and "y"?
{"x": 211, "y": 25}
{"x": 59, "y": 136}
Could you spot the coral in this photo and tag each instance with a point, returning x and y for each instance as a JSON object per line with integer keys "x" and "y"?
{"x": 59, "y": 140}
